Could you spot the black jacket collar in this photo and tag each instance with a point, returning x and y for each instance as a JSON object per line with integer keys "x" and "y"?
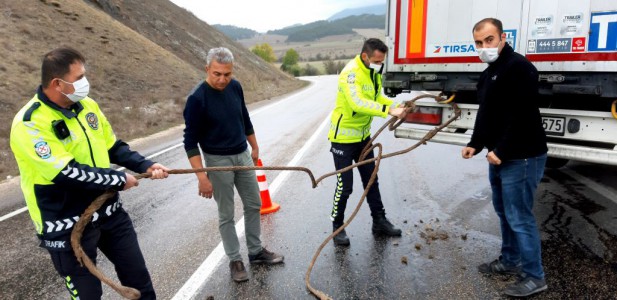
{"x": 506, "y": 52}
{"x": 72, "y": 112}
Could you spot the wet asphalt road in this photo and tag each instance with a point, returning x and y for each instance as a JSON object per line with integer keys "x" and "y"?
{"x": 441, "y": 202}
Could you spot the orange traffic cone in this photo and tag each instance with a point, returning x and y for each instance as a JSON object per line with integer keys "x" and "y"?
{"x": 267, "y": 206}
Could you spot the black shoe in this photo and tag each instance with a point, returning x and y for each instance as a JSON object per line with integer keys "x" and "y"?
{"x": 238, "y": 272}
{"x": 381, "y": 225}
{"x": 341, "y": 238}
{"x": 497, "y": 267}
{"x": 266, "y": 257}
{"x": 525, "y": 287}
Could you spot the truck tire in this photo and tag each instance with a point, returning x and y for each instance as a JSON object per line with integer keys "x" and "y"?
{"x": 556, "y": 163}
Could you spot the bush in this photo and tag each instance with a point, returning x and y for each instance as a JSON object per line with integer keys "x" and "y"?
{"x": 310, "y": 71}
{"x": 265, "y": 52}
{"x": 294, "y": 70}
{"x": 333, "y": 67}
{"x": 291, "y": 57}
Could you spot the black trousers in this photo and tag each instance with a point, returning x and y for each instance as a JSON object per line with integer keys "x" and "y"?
{"x": 116, "y": 238}
{"x": 344, "y": 156}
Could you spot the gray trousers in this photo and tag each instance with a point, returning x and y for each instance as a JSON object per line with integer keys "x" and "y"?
{"x": 246, "y": 184}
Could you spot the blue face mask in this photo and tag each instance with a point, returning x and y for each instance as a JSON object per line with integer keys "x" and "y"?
{"x": 82, "y": 88}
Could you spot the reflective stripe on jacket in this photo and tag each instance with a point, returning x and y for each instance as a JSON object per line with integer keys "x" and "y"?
{"x": 358, "y": 100}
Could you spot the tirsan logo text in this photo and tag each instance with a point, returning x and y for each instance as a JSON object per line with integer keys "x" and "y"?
{"x": 455, "y": 49}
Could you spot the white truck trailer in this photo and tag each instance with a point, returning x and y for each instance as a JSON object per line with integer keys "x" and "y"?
{"x": 572, "y": 43}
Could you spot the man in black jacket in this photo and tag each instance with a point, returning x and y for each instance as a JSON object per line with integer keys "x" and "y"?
{"x": 218, "y": 122}
{"x": 509, "y": 125}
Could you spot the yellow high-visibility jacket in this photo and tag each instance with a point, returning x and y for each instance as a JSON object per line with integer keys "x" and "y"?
{"x": 63, "y": 168}
{"x": 358, "y": 100}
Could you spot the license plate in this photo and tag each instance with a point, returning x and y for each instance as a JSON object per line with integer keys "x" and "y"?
{"x": 554, "y": 126}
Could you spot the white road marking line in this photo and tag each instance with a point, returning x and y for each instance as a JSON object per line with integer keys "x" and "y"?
{"x": 23, "y": 209}
{"x": 296, "y": 159}
{"x": 604, "y": 191}
{"x": 14, "y": 213}
{"x": 205, "y": 270}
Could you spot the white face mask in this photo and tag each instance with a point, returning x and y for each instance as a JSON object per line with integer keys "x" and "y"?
{"x": 377, "y": 67}
{"x": 82, "y": 88}
{"x": 488, "y": 55}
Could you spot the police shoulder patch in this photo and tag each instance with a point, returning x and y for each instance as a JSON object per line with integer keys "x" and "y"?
{"x": 93, "y": 120}
{"x": 42, "y": 149}
{"x": 351, "y": 78}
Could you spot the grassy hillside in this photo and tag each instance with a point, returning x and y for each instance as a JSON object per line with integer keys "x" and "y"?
{"x": 140, "y": 84}
{"x": 234, "y": 32}
{"x": 320, "y": 29}
{"x": 347, "y": 45}
{"x": 378, "y": 9}
{"x": 189, "y": 38}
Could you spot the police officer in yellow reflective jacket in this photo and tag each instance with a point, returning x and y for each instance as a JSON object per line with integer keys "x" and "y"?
{"x": 358, "y": 100}
{"x": 64, "y": 146}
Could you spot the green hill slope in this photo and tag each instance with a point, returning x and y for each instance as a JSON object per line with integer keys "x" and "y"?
{"x": 320, "y": 29}
{"x": 235, "y": 33}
